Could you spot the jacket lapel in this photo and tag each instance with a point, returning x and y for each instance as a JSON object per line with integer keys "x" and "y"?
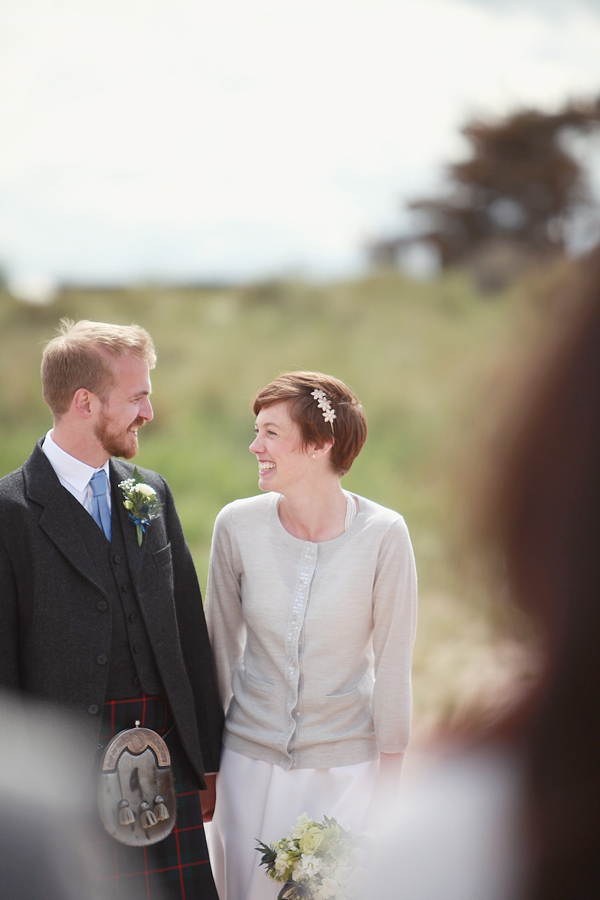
{"x": 135, "y": 554}
{"x": 61, "y": 516}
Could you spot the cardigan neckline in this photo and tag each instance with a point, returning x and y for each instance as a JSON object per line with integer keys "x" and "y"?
{"x": 334, "y": 542}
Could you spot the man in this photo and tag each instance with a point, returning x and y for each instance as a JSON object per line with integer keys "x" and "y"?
{"x": 104, "y": 616}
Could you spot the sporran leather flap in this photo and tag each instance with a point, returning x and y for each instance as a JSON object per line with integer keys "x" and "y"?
{"x": 136, "y": 794}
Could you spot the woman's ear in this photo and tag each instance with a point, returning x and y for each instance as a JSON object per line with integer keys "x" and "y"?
{"x": 318, "y": 451}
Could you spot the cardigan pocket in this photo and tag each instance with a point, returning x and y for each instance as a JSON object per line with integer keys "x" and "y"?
{"x": 349, "y": 713}
{"x": 364, "y": 688}
{"x": 264, "y": 686}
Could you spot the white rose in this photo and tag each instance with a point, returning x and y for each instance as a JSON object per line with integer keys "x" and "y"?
{"x": 343, "y": 874}
{"x": 145, "y": 490}
{"x": 300, "y": 827}
{"x": 329, "y": 887}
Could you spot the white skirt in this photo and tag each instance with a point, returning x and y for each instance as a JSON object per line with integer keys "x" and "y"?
{"x": 260, "y": 801}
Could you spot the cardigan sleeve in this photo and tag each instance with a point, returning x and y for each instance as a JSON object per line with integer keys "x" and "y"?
{"x": 394, "y": 628}
{"x": 224, "y": 615}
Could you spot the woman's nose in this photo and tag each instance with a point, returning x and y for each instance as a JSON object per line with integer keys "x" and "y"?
{"x": 253, "y": 448}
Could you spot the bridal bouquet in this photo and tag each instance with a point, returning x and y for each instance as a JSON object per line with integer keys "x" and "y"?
{"x": 317, "y": 861}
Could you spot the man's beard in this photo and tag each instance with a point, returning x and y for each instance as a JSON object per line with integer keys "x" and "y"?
{"x": 117, "y": 444}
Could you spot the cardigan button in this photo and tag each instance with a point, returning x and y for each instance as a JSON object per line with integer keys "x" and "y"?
{"x": 102, "y": 605}
{"x": 93, "y": 709}
{"x": 102, "y": 659}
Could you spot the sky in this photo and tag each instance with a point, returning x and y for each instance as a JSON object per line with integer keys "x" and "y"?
{"x": 185, "y": 140}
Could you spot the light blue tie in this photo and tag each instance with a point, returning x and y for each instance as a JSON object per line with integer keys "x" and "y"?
{"x": 100, "y": 510}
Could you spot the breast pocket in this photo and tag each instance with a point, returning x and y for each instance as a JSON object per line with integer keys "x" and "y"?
{"x": 162, "y": 557}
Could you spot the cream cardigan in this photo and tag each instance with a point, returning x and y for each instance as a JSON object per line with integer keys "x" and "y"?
{"x": 312, "y": 641}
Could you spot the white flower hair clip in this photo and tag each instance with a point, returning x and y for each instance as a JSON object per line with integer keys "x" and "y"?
{"x": 324, "y": 405}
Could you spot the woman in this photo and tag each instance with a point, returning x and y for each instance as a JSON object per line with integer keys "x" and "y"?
{"x": 311, "y": 607}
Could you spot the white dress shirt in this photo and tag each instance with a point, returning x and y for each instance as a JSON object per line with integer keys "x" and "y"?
{"x": 73, "y": 474}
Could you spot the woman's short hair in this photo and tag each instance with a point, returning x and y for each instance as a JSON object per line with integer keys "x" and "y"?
{"x": 348, "y": 428}
{"x": 80, "y": 356}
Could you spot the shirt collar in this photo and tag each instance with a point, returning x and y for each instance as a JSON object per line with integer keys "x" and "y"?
{"x": 67, "y": 467}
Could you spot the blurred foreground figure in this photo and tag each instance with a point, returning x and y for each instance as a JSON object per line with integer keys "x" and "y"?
{"x": 515, "y": 815}
{"x": 45, "y": 835}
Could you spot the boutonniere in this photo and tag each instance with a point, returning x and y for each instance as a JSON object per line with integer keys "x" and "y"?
{"x": 140, "y": 502}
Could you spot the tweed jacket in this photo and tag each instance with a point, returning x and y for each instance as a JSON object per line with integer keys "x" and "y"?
{"x": 56, "y": 621}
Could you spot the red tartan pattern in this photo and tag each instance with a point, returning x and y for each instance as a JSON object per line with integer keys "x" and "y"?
{"x": 176, "y": 868}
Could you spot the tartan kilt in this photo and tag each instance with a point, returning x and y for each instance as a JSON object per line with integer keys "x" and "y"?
{"x": 176, "y": 868}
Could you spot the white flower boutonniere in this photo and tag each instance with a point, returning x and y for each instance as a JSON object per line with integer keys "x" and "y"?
{"x": 140, "y": 502}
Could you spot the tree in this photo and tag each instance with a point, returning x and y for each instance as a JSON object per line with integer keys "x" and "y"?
{"x": 519, "y": 185}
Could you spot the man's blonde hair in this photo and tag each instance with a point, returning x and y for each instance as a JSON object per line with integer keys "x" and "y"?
{"x": 80, "y": 356}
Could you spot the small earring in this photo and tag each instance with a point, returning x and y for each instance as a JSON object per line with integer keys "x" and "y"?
{"x": 314, "y": 455}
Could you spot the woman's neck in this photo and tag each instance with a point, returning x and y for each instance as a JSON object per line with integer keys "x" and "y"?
{"x": 317, "y": 515}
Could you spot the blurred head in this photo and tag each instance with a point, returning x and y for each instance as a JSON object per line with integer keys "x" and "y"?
{"x": 348, "y": 429}
{"x": 546, "y": 510}
{"x": 548, "y": 500}
{"x": 86, "y": 355}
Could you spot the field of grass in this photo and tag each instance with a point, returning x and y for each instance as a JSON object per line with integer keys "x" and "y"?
{"x": 429, "y": 361}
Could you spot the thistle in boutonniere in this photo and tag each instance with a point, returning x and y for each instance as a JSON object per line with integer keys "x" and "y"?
{"x": 140, "y": 502}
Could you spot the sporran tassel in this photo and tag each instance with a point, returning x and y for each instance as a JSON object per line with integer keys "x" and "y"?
{"x": 148, "y": 818}
{"x": 160, "y": 810}
{"x": 126, "y": 816}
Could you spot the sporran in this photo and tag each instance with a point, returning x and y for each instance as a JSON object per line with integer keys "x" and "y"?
{"x": 136, "y": 793}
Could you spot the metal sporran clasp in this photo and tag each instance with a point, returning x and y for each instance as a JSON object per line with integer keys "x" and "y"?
{"x": 136, "y": 794}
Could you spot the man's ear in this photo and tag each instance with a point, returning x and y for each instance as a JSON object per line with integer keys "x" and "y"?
{"x": 83, "y": 402}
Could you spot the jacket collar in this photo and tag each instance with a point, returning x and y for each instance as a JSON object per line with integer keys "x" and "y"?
{"x": 61, "y": 524}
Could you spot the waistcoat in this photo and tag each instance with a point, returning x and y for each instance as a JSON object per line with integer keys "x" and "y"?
{"x": 131, "y": 665}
